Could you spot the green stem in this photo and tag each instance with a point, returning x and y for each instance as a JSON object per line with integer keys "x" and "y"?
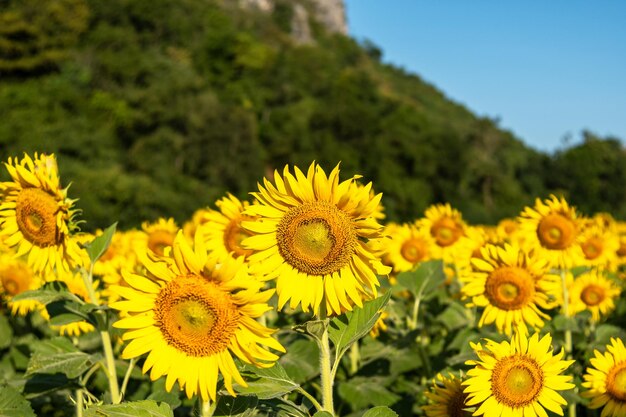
{"x": 568, "y": 333}
{"x": 311, "y": 398}
{"x": 131, "y": 365}
{"x": 325, "y": 372}
{"x": 110, "y": 364}
{"x": 106, "y": 342}
{"x": 80, "y": 403}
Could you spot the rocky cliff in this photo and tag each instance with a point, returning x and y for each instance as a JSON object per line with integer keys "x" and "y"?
{"x": 329, "y": 13}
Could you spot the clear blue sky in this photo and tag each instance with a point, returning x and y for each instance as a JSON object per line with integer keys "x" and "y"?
{"x": 546, "y": 68}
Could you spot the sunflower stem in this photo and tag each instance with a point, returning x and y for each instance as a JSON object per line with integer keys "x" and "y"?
{"x": 106, "y": 341}
{"x": 80, "y": 402}
{"x": 131, "y": 365}
{"x": 327, "y": 375}
{"x": 311, "y": 398}
{"x": 568, "y": 333}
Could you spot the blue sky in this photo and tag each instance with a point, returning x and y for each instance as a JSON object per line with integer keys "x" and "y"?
{"x": 546, "y": 68}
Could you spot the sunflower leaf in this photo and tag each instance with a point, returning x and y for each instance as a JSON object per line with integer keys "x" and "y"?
{"x": 346, "y": 329}
{"x": 12, "y": 404}
{"x": 322, "y": 414}
{"x": 97, "y": 247}
{"x": 267, "y": 383}
{"x": 49, "y": 292}
{"x": 380, "y": 412}
{"x": 6, "y": 332}
{"x": 421, "y": 282}
{"x": 58, "y": 355}
{"x": 145, "y": 408}
{"x": 242, "y": 406}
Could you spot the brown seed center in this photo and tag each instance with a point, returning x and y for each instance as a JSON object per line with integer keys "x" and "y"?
{"x": 616, "y": 382}
{"x": 36, "y": 215}
{"x": 592, "y": 295}
{"x": 316, "y": 238}
{"x": 556, "y": 232}
{"x": 509, "y": 288}
{"x": 414, "y": 250}
{"x": 516, "y": 380}
{"x": 446, "y": 231}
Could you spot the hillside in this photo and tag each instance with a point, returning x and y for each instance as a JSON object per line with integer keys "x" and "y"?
{"x": 156, "y": 108}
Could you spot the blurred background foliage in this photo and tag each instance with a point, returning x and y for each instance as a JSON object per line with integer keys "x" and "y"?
{"x": 157, "y": 108}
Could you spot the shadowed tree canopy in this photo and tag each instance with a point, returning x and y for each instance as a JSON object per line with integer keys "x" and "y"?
{"x": 157, "y": 108}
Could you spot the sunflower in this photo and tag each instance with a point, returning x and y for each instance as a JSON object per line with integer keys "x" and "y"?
{"x": 192, "y": 316}
{"x": 160, "y": 234}
{"x": 517, "y": 378}
{"x": 222, "y": 229}
{"x": 594, "y": 292}
{"x": 16, "y": 276}
{"x": 447, "y": 227}
{"x": 408, "y": 245}
{"x": 512, "y": 285}
{"x": 312, "y": 235}
{"x": 552, "y": 228}
{"x": 605, "y": 380}
{"x": 36, "y": 216}
{"x": 598, "y": 245}
{"x": 507, "y": 229}
{"x": 447, "y": 398}
{"x": 620, "y": 253}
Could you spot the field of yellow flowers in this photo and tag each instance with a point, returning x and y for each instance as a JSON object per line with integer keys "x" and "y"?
{"x": 304, "y": 301}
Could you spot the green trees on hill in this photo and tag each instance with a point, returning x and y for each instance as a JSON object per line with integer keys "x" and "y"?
{"x": 156, "y": 108}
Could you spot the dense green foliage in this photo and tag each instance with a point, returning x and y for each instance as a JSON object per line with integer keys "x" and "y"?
{"x": 157, "y": 108}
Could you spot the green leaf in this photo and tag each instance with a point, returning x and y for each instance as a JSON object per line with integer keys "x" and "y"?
{"x": 267, "y": 383}
{"x": 12, "y": 404}
{"x": 280, "y": 407}
{"x": 454, "y": 317}
{"x": 380, "y": 412}
{"x": 322, "y": 414}
{"x": 562, "y": 323}
{"x": 49, "y": 292}
{"x": 301, "y": 362}
{"x": 242, "y": 406}
{"x": 145, "y": 408}
{"x": 6, "y": 332}
{"x": 59, "y": 356}
{"x": 426, "y": 278}
{"x": 361, "y": 392}
{"x": 97, "y": 247}
{"x": 346, "y": 329}
{"x": 64, "y": 312}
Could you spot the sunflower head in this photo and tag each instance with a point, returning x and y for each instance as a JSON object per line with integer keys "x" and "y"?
{"x": 16, "y": 276}
{"x": 37, "y": 217}
{"x": 192, "y": 315}
{"x": 160, "y": 234}
{"x": 520, "y": 377}
{"x": 407, "y": 245}
{"x": 552, "y": 227}
{"x": 446, "y": 397}
{"x": 222, "y": 229}
{"x": 594, "y": 292}
{"x": 314, "y": 234}
{"x": 605, "y": 379}
{"x": 512, "y": 285}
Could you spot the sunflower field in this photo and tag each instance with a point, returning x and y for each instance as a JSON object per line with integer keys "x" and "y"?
{"x": 305, "y": 302}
